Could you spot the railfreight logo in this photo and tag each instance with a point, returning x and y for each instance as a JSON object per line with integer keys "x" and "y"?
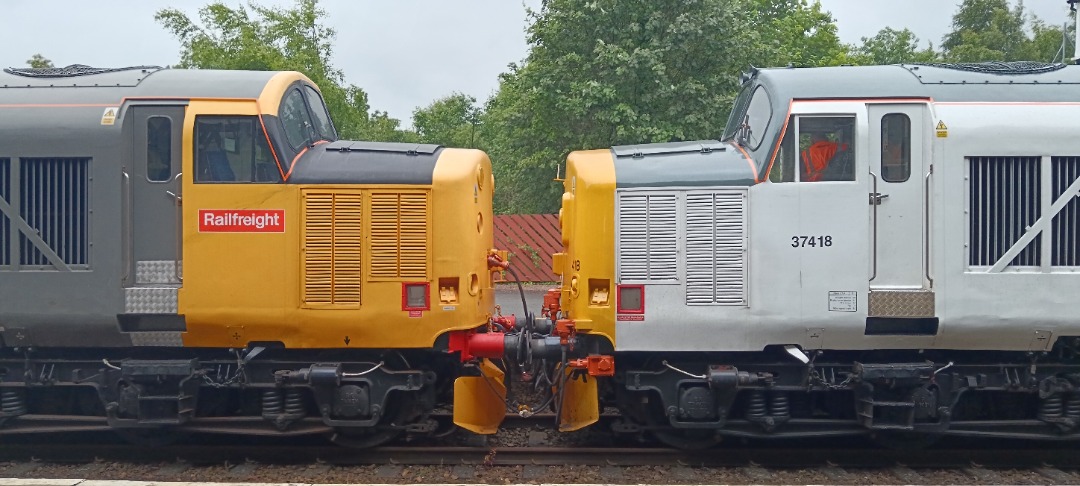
{"x": 241, "y": 220}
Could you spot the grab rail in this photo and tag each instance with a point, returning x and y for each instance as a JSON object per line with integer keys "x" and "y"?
{"x": 926, "y": 206}
{"x": 126, "y": 224}
{"x": 874, "y": 249}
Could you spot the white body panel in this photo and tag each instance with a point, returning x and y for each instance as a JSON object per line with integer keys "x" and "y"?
{"x": 788, "y": 288}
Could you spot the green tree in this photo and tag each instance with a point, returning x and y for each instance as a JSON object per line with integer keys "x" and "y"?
{"x": 37, "y": 61}
{"x": 987, "y": 30}
{"x": 892, "y": 46}
{"x": 273, "y": 38}
{"x": 795, "y": 32}
{"x": 606, "y": 72}
{"x": 1049, "y": 43}
{"x": 452, "y": 121}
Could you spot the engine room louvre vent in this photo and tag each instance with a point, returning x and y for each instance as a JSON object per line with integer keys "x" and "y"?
{"x": 1065, "y": 227}
{"x": 399, "y": 235}
{"x": 648, "y": 240}
{"x": 5, "y": 224}
{"x": 1004, "y": 200}
{"x": 54, "y": 199}
{"x": 716, "y": 248}
{"x": 333, "y": 238}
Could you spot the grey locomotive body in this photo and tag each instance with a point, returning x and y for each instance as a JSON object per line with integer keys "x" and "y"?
{"x": 891, "y": 250}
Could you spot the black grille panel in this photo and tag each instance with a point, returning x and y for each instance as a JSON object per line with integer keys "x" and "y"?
{"x": 1065, "y": 227}
{"x": 1004, "y": 202}
{"x": 5, "y": 224}
{"x": 55, "y": 201}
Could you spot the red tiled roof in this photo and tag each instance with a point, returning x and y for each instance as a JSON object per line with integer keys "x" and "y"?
{"x": 531, "y": 239}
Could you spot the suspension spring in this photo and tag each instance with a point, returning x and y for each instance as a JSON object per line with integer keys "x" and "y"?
{"x": 294, "y": 403}
{"x": 13, "y": 401}
{"x": 778, "y": 404}
{"x": 1051, "y": 407}
{"x": 1072, "y": 407}
{"x": 272, "y": 403}
{"x": 756, "y": 407}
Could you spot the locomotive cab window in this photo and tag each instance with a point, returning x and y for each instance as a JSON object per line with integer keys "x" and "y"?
{"x": 895, "y": 147}
{"x": 320, "y": 115}
{"x": 818, "y": 149}
{"x": 233, "y": 149}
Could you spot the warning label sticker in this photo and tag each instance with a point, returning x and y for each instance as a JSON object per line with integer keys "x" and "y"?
{"x": 109, "y": 116}
{"x": 941, "y": 130}
{"x": 630, "y": 317}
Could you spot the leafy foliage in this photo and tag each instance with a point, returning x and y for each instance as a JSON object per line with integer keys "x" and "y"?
{"x": 891, "y": 46}
{"x": 37, "y": 61}
{"x": 272, "y": 38}
{"x": 989, "y": 30}
{"x": 602, "y": 73}
{"x": 452, "y": 121}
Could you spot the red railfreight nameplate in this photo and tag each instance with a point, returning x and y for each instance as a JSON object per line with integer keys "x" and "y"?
{"x": 241, "y": 220}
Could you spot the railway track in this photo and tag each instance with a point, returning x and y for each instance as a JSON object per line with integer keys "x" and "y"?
{"x": 283, "y": 462}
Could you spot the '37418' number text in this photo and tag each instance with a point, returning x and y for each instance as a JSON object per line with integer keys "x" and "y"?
{"x": 811, "y": 241}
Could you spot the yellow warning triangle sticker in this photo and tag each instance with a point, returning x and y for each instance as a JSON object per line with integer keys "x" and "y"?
{"x": 941, "y": 125}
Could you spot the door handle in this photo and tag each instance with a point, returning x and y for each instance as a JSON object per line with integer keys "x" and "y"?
{"x": 876, "y": 197}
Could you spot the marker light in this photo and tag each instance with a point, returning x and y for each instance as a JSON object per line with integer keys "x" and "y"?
{"x": 415, "y": 296}
{"x": 631, "y": 299}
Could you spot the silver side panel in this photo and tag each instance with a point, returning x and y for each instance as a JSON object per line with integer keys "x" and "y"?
{"x": 156, "y": 339}
{"x": 157, "y": 272}
{"x": 901, "y": 303}
{"x": 151, "y": 300}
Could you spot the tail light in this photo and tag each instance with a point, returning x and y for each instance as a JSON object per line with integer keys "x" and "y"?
{"x": 631, "y": 299}
{"x": 415, "y": 296}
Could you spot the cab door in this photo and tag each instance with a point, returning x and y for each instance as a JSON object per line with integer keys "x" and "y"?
{"x": 155, "y": 194}
{"x": 900, "y": 287}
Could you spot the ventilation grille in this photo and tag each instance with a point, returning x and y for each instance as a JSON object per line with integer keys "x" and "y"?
{"x": 72, "y": 70}
{"x": 716, "y": 248}
{"x": 1004, "y": 203}
{"x": 5, "y": 225}
{"x": 647, "y": 238}
{"x": 1065, "y": 228}
{"x": 54, "y": 200}
{"x": 333, "y": 237}
{"x": 399, "y": 235}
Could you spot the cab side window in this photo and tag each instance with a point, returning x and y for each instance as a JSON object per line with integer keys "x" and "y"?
{"x": 818, "y": 149}
{"x": 322, "y": 118}
{"x": 296, "y": 119}
{"x": 233, "y": 149}
{"x": 895, "y": 147}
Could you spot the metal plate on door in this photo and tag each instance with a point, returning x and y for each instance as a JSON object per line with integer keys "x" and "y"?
{"x": 901, "y": 303}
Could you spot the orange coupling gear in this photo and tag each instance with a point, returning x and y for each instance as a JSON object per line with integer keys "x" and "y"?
{"x": 551, "y": 304}
{"x": 566, "y": 331}
{"x": 507, "y": 322}
{"x": 597, "y": 365}
{"x": 497, "y": 260}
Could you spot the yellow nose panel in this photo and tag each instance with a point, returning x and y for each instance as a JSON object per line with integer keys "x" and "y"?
{"x": 579, "y": 407}
{"x": 480, "y": 401}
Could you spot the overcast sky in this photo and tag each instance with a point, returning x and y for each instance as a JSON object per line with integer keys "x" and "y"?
{"x": 404, "y": 53}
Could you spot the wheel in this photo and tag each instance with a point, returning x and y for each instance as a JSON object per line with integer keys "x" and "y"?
{"x": 150, "y": 437}
{"x": 368, "y": 437}
{"x": 363, "y": 438}
{"x": 688, "y": 439}
{"x": 905, "y": 441}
